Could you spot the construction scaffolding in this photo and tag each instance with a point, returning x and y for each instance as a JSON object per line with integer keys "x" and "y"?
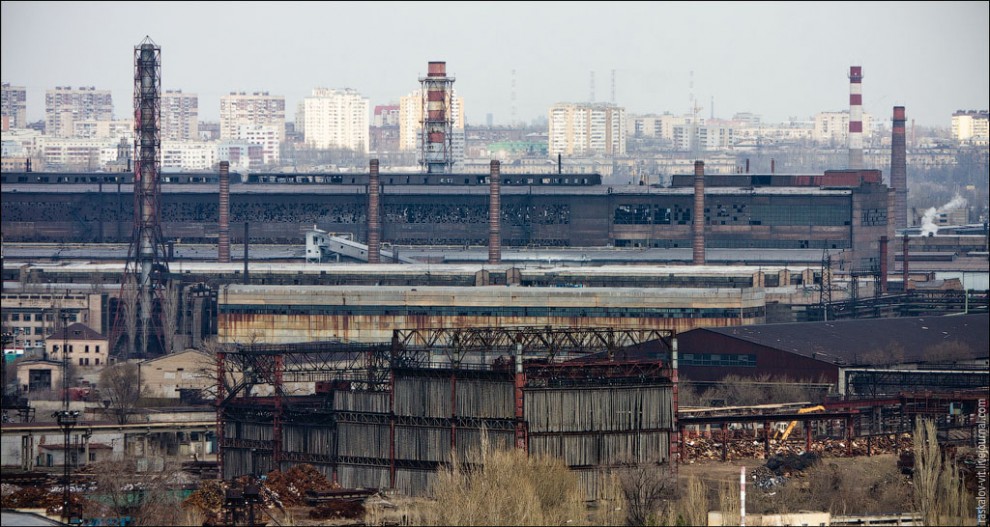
{"x": 390, "y": 415}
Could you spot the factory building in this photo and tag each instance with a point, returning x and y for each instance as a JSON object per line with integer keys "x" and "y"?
{"x": 859, "y": 357}
{"x": 843, "y": 210}
{"x": 369, "y": 314}
{"x": 406, "y": 407}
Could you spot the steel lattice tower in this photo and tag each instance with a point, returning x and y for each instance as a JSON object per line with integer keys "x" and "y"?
{"x": 147, "y": 265}
{"x": 437, "y": 91}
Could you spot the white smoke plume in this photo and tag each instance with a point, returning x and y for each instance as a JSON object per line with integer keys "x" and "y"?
{"x": 928, "y": 226}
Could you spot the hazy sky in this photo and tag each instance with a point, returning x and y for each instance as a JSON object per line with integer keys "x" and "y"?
{"x": 776, "y": 59}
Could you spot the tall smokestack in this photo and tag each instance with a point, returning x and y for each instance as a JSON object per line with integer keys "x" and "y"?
{"x": 437, "y": 149}
{"x": 883, "y": 264}
{"x": 856, "y": 117}
{"x": 223, "y": 238}
{"x": 747, "y": 165}
{"x": 698, "y": 225}
{"x": 773, "y": 165}
{"x": 373, "y": 212}
{"x": 494, "y": 215}
{"x": 898, "y": 168}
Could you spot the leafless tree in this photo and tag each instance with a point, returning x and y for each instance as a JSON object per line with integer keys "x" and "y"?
{"x": 129, "y": 303}
{"x": 646, "y": 487}
{"x": 120, "y": 388}
{"x": 170, "y": 315}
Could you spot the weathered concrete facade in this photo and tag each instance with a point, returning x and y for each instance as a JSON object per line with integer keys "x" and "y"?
{"x": 276, "y": 314}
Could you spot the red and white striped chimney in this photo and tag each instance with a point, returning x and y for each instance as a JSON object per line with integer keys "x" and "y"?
{"x": 856, "y": 117}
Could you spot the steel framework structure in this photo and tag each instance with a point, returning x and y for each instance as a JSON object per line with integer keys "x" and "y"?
{"x": 527, "y": 357}
{"x": 147, "y": 263}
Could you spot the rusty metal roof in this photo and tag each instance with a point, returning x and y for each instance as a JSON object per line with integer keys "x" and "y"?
{"x": 854, "y": 341}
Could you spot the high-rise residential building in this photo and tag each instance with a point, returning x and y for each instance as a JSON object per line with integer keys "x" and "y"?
{"x": 265, "y": 135}
{"x": 971, "y": 126}
{"x": 188, "y": 155}
{"x": 386, "y": 115}
{"x": 65, "y": 105}
{"x": 706, "y": 136}
{"x": 258, "y": 108}
{"x": 833, "y": 127}
{"x": 13, "y": 106}
{"x": 180, "y": 116}
{"x": 586, "y": 129}
{"x": 336, "y": 119}
{"x": 411, "y": 117}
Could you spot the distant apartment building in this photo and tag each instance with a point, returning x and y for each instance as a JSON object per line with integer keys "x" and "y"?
{"x": 652, "y": 125}
{"x": 13, "y": 106}
{"x": 73, "y": 153}
{"x": 411, "y": 118}
{"x": 180, "y": 116}
{"x": 706, "y": 136}
{"x": 241, "y": 155}
{"x": 188, "y": 155}
{"x": 586, "y": 129}
{"x": 267, "y": 136}
{"x": 336, "y": 119}
{"x": 971, "y": 127}
{"x": 65, "y": 106}
{"x": 209, "y": 131}
{"x": 386, "y": 115}
{"x": 258, "y": 108}
{"x": 833, "y": 127}
{"x": 90, "y": 129}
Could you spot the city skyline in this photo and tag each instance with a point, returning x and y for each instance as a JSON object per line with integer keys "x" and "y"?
{"x": 776, "y": 60}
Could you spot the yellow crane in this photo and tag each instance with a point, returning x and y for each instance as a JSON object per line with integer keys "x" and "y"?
{"x": 783, "y": 435}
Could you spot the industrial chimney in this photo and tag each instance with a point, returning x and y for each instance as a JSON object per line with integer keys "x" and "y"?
{"x": 898, "y": 168}
{"x": 223, "y": 236}
{"x": 373, "y": 211}
{"x": 494, "y": 215}
{"x": 856, "y": 117}
{"x": 437, "y": 149}
{"x": 698, "y": 225}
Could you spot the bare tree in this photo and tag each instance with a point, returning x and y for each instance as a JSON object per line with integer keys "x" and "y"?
{"x": 645, "y": 488}
{"x": 170, "y": 315}
{"x": 129, "y": 303}
{"x": 120, "y": 389}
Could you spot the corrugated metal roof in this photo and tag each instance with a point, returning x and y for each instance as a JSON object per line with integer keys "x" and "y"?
{"x": 847, "y": 341}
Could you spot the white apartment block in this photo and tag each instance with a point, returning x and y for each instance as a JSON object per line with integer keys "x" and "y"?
{"x": 66, "y": 105}
{"x": 90, "y": 129}
{"x": 411, "y": 117}
{"x": 706, "y": 136}
{"x": 20, "y": 142}
{"x": 178, "y": 156}
{"x": 833, "y": 127}
{"x": 336, "y": 119}
{"x": 265, "y": 136}
{"x": 586, "y": 129}
{"x": 71, "y": 153}
{"x": 13, "y": 106}
{"x": 658, "y": 126}
{"x": 258, "y": 108}
{"x": 386, "y": 115}
{"x": 971, "y": 127}
{"x": 241, "y": 155}
{"x": 180, "y": 116}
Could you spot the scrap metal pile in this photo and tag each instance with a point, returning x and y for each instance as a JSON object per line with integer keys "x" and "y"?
{"x": 749, "y": 447}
